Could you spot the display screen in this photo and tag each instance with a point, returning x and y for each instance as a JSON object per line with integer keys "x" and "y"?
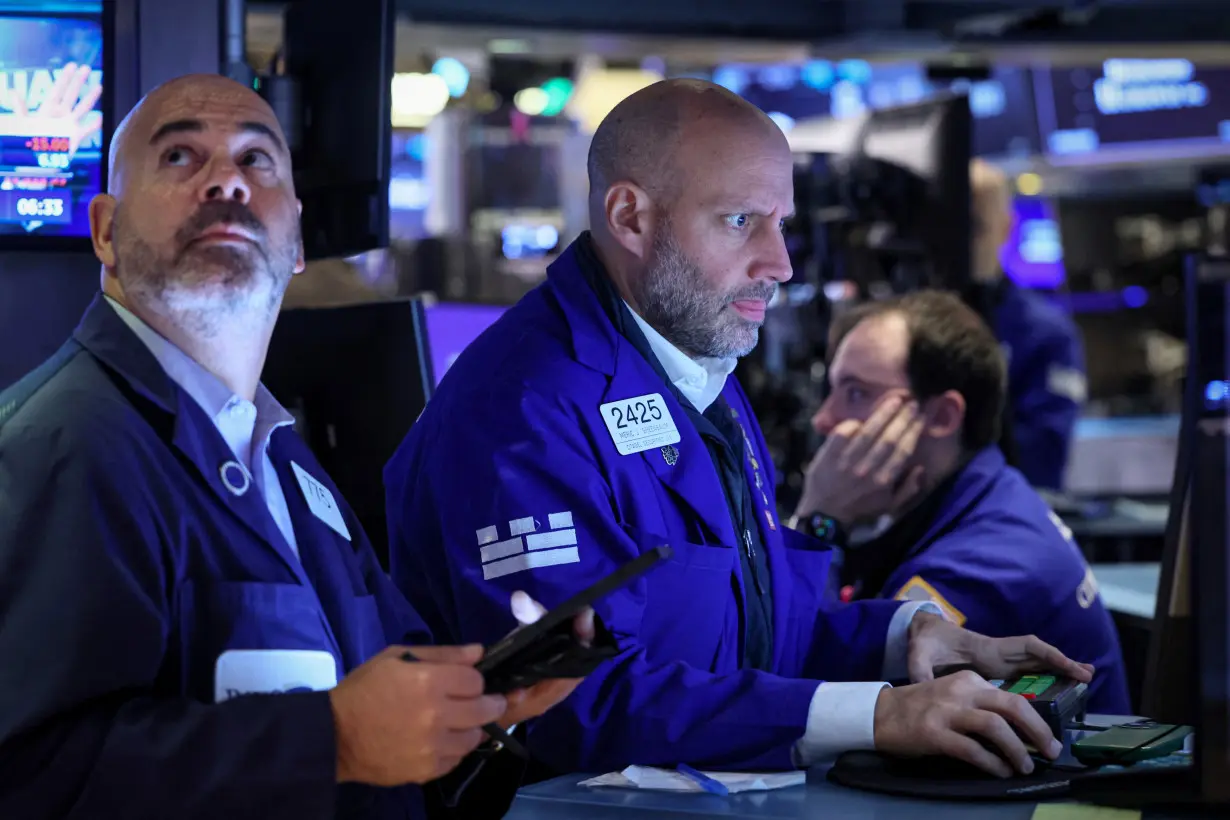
{"x": 1001, "y": 106}
{"x": 452, "y": 326}
{"x": 1133, "y": 102}
{"x": 51, "y": 120}
{"x": 1033, "y": 255}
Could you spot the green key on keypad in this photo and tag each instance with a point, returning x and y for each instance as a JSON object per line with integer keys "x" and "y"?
{"x": 1032, "y": 685}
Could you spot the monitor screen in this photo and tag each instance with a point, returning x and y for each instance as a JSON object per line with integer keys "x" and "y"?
{"x": 1131, "y": 103}
{"x": 1033, "y": 255}
{"x": 1002, "y": 105}
{"x": 452, "y": 326}
{"x": 51, "y": 117}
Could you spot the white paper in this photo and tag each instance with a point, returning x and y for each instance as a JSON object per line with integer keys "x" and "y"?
{"x": 669, "y": 780}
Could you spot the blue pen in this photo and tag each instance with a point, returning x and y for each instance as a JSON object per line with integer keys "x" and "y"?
{"x": 707, "y": 783}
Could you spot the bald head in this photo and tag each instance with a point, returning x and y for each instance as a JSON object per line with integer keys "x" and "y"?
{"x": 689, "y": 188}
{"x": 639, "y": 140}
{"x": 991, "y": 209}
{"x": 169, "y": 108}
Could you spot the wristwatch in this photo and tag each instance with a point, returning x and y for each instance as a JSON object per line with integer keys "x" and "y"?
{"x": 822, "y": 527}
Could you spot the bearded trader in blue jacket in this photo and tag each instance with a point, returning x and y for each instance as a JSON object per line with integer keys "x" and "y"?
{"x": 597, "y": 418}
{"x": 192, "y": 622}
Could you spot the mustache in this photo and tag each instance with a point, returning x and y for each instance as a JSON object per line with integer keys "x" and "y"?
{"x": 764, "y": 292}
{"x": 220, "y": 212}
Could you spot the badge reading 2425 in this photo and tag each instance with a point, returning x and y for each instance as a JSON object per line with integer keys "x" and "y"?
{"x": 640, "y": 423}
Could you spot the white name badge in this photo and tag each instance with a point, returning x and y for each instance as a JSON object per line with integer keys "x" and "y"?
{"x": 272, "y": 671}
{"x": 320, "y": 501}
{"x": 638, "y": 424}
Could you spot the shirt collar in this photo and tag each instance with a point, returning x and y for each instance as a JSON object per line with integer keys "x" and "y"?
{"x": 204, "y": 387}
{"x": 699, "y": 380}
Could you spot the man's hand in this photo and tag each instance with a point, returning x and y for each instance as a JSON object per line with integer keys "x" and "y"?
{"x": 862, "y": 471}
{"x": 936, "y": 642}
{"x": 948, "y": 717}
{"x": 524, "y": 704}
{"x": 62, "y": 107}
{"x": 411, "y": 721}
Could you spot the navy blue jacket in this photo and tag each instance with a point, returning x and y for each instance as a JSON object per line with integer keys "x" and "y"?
{"x": 1046, "y": 382}
{"x": 1001, "y": 563}
{"x": 128, "y": 572}
{"x": 513, "y": 478}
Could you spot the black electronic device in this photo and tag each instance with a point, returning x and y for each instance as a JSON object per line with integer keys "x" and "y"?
{"x": 898, "y": 198}
{"x": 1131, "y": 743}
{"x": 1059, "y": 701}
{"x": 548, "y": 648}
{"x": 355, "y": 378}
{"x": 340, "y": 96}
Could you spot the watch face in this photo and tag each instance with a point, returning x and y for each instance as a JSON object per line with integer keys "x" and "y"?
{"x": 823, "y": 527}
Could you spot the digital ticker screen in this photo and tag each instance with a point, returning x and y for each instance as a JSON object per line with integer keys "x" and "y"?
{"x": 1133, "y": 103}
{"x": 1002, "y": 106}
{"x": 51, "y": 135}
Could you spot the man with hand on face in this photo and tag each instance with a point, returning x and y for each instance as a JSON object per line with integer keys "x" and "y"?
{"x": 596, "y": 419}
{"x": 192, "y": 622}
{"x": 978, "y": 541}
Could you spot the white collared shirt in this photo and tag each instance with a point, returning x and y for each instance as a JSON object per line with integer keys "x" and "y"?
{"x": 699, "y": 380}
{"x": 245, "y": 426}
{"x": 842, "y": 715}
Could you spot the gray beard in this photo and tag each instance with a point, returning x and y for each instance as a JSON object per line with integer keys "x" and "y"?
{"x": 675, "y": 300}
{"x": 205, "y": 290}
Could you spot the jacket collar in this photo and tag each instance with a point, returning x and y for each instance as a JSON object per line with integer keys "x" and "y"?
{"x": 106, "y": 336}
{"x": 873, "y": 563}
{"x": 970, "y": 485}
{"x": 584, "y": 293}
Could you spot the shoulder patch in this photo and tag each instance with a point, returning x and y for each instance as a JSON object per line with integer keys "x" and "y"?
{"x": 916, "y": 589}
{"x": 1067, "y": 382}
{"x": 1087, "y": 592}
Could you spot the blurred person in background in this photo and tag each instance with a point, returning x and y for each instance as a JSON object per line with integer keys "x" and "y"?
{"x": 1046, "y": 360}
{"x": 978, "y": 542}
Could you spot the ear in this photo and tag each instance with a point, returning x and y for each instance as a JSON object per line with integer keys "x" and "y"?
{"x": 944, "y": 415}
{"x": 102, "y": 229}
{"x": 629, "y": 215}
{"x": 300, "y": 261}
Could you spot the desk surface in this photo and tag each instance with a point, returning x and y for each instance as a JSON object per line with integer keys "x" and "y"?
{"x": 818, "y": 800}
{"x": 1125, "y": 518}
{"x": 1130, "y": 589}
{"x": 563, "y": 799}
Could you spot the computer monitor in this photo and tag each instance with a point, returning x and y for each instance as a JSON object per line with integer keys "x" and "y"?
{"x": 341, "y": 58}
{"x": 451, "y": 327}
{"x": 905, "y": 185}
{"x": 53, "y": 126}
{"x": 356, "y": 378}
{"x": 1188, "y": 680}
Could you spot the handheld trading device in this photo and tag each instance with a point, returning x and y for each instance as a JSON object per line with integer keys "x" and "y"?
{"x": 548, "y": 648}
{"x": 1058, "y": 701}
